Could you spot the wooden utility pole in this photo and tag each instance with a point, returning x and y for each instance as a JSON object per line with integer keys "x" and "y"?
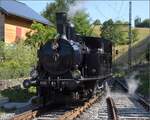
{"x": 130, "y": 37}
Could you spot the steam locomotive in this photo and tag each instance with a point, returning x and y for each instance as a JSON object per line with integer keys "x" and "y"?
{"x": 71, "y": 65}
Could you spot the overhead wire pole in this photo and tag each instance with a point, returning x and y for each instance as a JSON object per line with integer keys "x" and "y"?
{"x": 130, "y": 37}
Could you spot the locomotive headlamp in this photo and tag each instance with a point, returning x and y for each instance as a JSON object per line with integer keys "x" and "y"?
{"x": 76, "y": 74}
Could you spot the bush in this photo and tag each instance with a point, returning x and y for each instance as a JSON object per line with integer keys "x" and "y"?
{"x": 144, "y": 80}
{"x": 16, "y": 61}
{"x": 40, "y": 35}
{"x": 17, "y": 95}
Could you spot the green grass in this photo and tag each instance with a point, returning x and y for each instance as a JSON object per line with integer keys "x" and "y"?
{"x": 19, "y": 95}
{"x": 138, "y": 52}
{"x": 138, "y": 47}
{"x": 144, "y": 87}
{"x": 143, "y": 32}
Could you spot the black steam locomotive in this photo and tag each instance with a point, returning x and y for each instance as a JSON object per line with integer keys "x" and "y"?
{"x": 71, "y": 65}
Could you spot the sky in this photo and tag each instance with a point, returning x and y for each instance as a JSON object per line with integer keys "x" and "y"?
{"x": 102, "y": 9}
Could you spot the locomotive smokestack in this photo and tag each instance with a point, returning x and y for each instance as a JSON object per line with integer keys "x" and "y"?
{"x": 61, "y": 22}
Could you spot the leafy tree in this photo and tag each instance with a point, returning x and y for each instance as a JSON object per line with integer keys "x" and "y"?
{"x": 40, "y": 35}
{"x": 80, "y": 18}
{"x": 56, "y": 6}
{"x": 114, "y": 31}
{"x": 97, "y": 22}
{"x": 17, "y": 60}
{"x": 137, "y": 21}
{"x": 107, "y": 30}
{"x": 145, "y": 23}
{"x": 81, "y": 22}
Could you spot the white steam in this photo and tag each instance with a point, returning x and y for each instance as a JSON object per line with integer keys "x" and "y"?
{"x": 77, "y": 6}
{"x": 132, "y": 83}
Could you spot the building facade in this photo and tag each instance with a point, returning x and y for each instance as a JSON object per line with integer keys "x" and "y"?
{"x": 16, "y": 19}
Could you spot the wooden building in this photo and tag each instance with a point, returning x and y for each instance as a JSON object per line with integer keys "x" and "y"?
{"x": 16, "y": 19}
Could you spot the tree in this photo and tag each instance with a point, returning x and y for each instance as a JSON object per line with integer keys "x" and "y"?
{"x": 56, "y": 6}
{"x": 97, "y": 22}
{"x": 81, "y": 22}
{"x": 114, "y": 31}
{"x": 107, "y": 30}
{"x": 40, "y": 35}
{"x": 145, "y": 23}
{"x": 137, "y": 21}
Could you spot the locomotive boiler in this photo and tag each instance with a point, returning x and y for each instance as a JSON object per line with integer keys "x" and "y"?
{"x": 71, "y": 65}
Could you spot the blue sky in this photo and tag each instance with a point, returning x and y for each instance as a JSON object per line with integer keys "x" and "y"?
{"x": 102, "y": 9}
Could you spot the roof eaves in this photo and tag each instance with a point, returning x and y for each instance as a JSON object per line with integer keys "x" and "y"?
{"x": 47, "y": 23}
{"x": 28, "y": 18}
{"x": 3, "y": 10}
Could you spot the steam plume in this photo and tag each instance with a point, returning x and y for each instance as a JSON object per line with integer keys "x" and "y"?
{"x": 132, "y": 83}
{"x": 77, "y": 6}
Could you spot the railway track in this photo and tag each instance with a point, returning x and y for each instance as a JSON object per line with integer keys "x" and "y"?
{"x": 118, "y": 106}
{"x": 111, "y": 108}
{"x": 60, "y": 113}
{"x": 126, "y": 107}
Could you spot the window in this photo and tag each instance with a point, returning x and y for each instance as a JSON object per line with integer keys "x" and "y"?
{"x": 18, "y": 32}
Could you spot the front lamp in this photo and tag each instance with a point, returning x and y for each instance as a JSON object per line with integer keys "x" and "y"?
{"x": 76, "y": 74}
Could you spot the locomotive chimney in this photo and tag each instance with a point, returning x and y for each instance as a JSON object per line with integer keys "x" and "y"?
{"x": 61, "y": 22}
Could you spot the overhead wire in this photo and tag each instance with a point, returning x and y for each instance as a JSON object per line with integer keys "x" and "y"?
{"x": 100, "y": 12}
{"x": 120, "y": 9}
{"x": 119, "y": 12}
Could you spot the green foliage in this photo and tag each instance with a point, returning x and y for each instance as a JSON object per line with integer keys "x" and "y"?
{"x": 16, "y": 61}
{"x": 81, "y": 22}
{"x": 1, "y": 50}
{"x": 40, "y": 35}
{"x": 56, "y": 6}
{"x": 145, "y": 23}
{"x": 107, "y": 30}
{"x": 110, "y": 31}
{"x": 144, "y": 80}
{"x": 134, "y": 35}
{"x": 137, "y": 21}
{"x": 117, "y": 32}
{"x": 80, "y": 18}
{"x": 97, "y": 22}
{"x": 17, "y": 95}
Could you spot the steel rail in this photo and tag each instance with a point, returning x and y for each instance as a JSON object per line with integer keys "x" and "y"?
{"x": 70, "y": 115}
{"x": 111, "y": 108}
